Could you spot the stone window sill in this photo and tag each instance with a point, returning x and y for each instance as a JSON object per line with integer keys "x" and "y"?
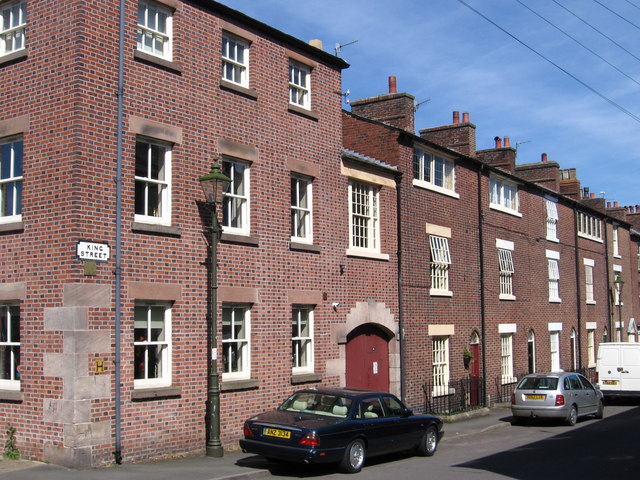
{"x": 155, "y": 393}
{"x": 167, "y": 65}
{"x": 232, "y": 87}
{"x": 155, "y": 228}
{"x": 11, "y": 396}
{"x": 240, "y": 239}
{"x": 299, "y": 378}
{"x": 304, "y": 247}
{"x": 233, "y": 385}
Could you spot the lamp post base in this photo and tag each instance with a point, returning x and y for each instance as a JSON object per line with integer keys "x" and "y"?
{"x": 215, "y": 451}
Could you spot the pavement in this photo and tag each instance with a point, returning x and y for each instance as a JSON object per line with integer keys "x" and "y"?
{"x": 233, "y": 465}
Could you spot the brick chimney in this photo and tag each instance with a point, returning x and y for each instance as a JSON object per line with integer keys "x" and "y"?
{"x": 544, "y": 173}
{"x": 395, "y": 109}
{"x": 460, "y": 137}
{"x": 569, "y": 184}
{"x": 503, "y": 157}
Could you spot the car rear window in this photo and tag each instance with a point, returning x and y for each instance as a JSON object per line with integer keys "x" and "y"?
{"x": 538, "y": 383}
{"x": 318, "y": 403}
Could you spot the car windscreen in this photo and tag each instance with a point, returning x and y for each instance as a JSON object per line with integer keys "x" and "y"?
{"x": 318, "y": 403}
{"x": 538, "y": 383}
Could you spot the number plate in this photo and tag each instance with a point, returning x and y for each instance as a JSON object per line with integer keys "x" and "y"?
{"x": 610, "y": 382}
{"x": 534, "y": 397}
{"x": 275, "y": 432}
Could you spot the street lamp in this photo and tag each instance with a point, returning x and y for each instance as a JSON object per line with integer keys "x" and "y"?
{"x": 214, "y": 184}
{"x": 619, "y": 283}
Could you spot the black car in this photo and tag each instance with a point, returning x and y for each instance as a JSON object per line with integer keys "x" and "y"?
{"x": 340, "y": 425}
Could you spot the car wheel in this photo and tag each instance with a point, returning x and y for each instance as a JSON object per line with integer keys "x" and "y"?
{"x": 428, "y": 442}
{"x": 572, "y": 418}
{"x": 600, "y": 412}
{"x": 354, "y": 456}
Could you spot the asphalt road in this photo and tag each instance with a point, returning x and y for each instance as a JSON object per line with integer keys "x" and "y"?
{"x": 543, "y": 450}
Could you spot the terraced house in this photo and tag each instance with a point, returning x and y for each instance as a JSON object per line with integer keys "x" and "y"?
{"x": 139, "y": 319}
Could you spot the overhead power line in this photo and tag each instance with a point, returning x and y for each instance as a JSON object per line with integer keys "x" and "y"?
{"x": 579, "y": 43}
{"x": 584, "y": 84}
{"x": 594, "y": 28}
{"x": 617, "y": 14}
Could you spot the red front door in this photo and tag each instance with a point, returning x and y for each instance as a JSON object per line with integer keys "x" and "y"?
{"x": 474, "y": 376}
{"x": 367, "y": 359}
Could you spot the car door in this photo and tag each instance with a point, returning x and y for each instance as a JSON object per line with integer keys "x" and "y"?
{"x": 590, "y": 395}
{"x": 405, "y": 430}
{"x": 578, "y": 394}
{"x": 377, "y": 426}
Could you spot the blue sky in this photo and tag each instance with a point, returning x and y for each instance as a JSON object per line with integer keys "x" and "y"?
{"x": 580, "y": 104}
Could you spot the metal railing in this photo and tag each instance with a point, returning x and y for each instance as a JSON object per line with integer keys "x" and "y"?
{"x": 455, "y": 397}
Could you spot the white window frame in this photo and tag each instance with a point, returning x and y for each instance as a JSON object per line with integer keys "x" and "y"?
{"x": 237, "y": 197}
{"x": 553, "y": 268}
{"x": 617, "y": 270}
{"x": 615, "y": 242}
{"x": 440, "y": 366}
{"x": 301, "y": 209}
{"x": 506, "y": 268}
{"x": 589, "y": 227}
{"x": 506, "y": 358}
{"x": 13, "y": 37}
{"x": 364, "y": 222}
{"x": 440, "y": 265}
{"x": 503, "y": 196}
{"x": 232, "y": 342}
{"x": 8, "y": 341}
{"x": 434, "y": 172}
{"x": 150, "y": 16}
{"x": 146, "y": 311}
{"x": 299, "y": 85}
{"x": 235, "y": 59}
{"x": 302, "y": 345}
{"x": 589, "y": 266}
{"x": 554, "y": 349}
{"x": 591, "y": 347}
{"x": 11, "y": 186}
{"x": 552, "y": 219}
{"x": 161, "y": 213}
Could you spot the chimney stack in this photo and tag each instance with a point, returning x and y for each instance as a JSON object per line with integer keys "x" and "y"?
{"x": 460, "y": 137}
{"x": 392, "y": 84}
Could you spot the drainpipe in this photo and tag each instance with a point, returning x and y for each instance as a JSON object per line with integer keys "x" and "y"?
{"x": 482, "y": 300}
{"x": 610, "y": 293}
{"x": 118, "y": 271}
{"x": 578, "y": 289}
{"x": 400, "y": 298}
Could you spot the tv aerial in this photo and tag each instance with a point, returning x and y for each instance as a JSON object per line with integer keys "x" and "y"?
{"x": 340, "y": 46}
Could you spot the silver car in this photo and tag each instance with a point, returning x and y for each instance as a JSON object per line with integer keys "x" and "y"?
{"x": 562, "y": 395}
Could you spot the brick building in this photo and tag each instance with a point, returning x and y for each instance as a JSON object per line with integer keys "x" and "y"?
{"x": 104, "y": 229}
{"x": 512, "y": 265}
{"x": 332, "y": 217}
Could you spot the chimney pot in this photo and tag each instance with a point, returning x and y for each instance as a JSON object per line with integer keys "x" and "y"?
{"x": 593, "y": 195}
{"x": 498, "y": 141}
{"x": 456, "y": 117}
{"x": 615, "y": 204}
{"x": 608, "y": 204}
{"x": 543, "y": 157}
{"x": 507, "y": 142}
{"x": 392, "y": 84}
{"x": 465, "y": 117}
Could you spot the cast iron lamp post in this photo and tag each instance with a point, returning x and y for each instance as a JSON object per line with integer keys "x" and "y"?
{"x": 214, "y": 184}
{"x": 619, "y": 283}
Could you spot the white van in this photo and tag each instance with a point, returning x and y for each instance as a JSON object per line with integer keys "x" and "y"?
{"x": 618, "y": 369}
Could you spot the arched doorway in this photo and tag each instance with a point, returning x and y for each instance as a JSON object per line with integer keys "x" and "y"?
{"x": 367, "y": 358}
